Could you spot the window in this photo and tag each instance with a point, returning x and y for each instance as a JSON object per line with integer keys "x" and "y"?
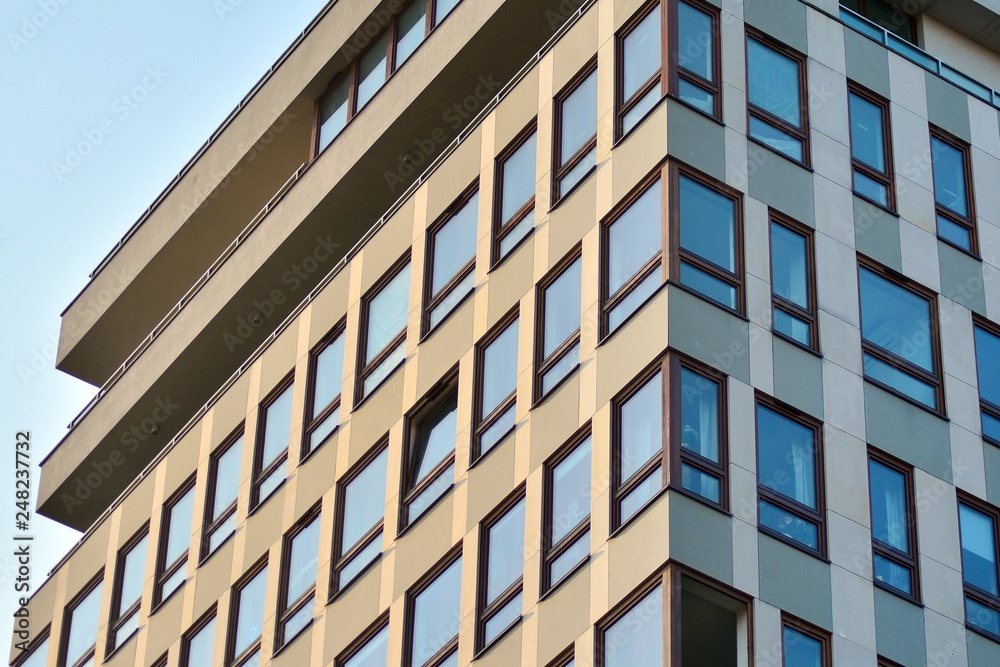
{"x": 247, "y": 618}
{"x": 634, "y": 636}
{"x": 198, "y": 645}
{"x": 514, "y": 214}
{"x": 360, "y": 513}
{"x": 369, "y": 650}
{"x": 557, "y": 350}
{"x": 777, "y": 116}
{"x": 326, "y": 374}
{"x": 899, "y": 336}
{"x": 82, "y": 620}
{"x": 978, "y": 529}
{"x": 298, "y": 578}
{"x": 987, "y": 361}
{"x": 871, "y": 147}
{"x": 632, "y": 255}
{"x": 223, "y": 489}
{"x": 567, "y": 659}
{"x": 451, "y": 260}
{"x": 803, "y": 645}
{"x": 710, "y": 239}
{"x": 698, "y": 66}
{"x": 497, "y": 371}
{"x": 638, "y": 447}
{"x": 175, "y": 540}
{"x": 130, "y": 571}
{"x": 433, "y": 616}
{"x": 432, "y": 432}
{"x": 952, "y": 166}
{"x": 274, "y": 426}
{"x": 364, "y": 76}
{"x": 566, "y": 534}
{"x": 501, "y": 575}
{"x": 789, "y": 477}
{"x": 793, "y": 288}
{"x": 37, "y": 655}
{"x": 886, "y": 16}
{"x": 894, "y": 548}
{"x": 576, "y": 131}
{"x": 698, "y": 439}
{"x": 640, "y": 54}
{"x": 383, "y": 329}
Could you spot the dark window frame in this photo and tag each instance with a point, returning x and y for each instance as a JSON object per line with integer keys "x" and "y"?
{"x": 911, "y": 22}
{"x": 340, "y": 557}
{"x": 117, "y": 617}
{"x": 260, "y": 472}
{"x": 286, "y": 611}
{"x": 676, "y": 72}
{"x": 210, "y": 524}
{"x": 886, "y": 662}
{"x": 314, "y": 421}
{"x": 480, "y": 424}
{"x": 561, "y": 164}
{"x": 553, "y": 551}
{"x": 909, "y": 560}
{"x": 888, "y": 179}
{"x": 967, "y": 223}
{"x": 68, "y": 619}
{"x": 191, "y": 632}
{"x": 544, "y": 365}
{"x": 809, "y": 315}
{"x": 564, "y": 658}
{"x": 809, "y": 630}
{"x": 500, "y": 228}
{"x": 485, "y": 613}
{"x": 33, "y": 645}
{"x": 361, "y": 641}
{"x": 978, "y": 595}
{"x": 236, "y": 590}
{"x": 363, "y": 370}
{"x": 985, "y": 406}
{"x": 409, "y": 604}
{"x": 431, "y": 300}
{"x": 165, "y": 570}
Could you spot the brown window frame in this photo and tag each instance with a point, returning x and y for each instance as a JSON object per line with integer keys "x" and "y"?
{"x": 815, "y": 516}
{"x": 677, "y": 72}
{"x": 485, "y": 613}
{"x": 500, "y": 227}
{"x": 165, "y": 570}
{"x": 162, "y": 660}
{"x": 561, "y": 164}
{"x": 232, "y": 625}
{"x": 544, "y": 365}
{"x": 986, "y": 407}
{"x": 809, "y": 630}
{"x": 44, "y": 636}
{"x": 936, "y": 379}
{"x": 886, "y": 662}
{"x": 482, "y": 424}
{"x": 551, "y": 552}
{"x": 808, "y": 315}
{"x": 196, "y": 627}
{"x": 978, "y": 595}
{"x": 430, "y": 300}
{"x": 968, "y": 223}
{"x": 210, "y": 524}
{"x": 260, "y": 472}
{"x": 908, "y": 560}
{"x": 287, "y": 611}
{"x": 362, "y": 640}
{"x": 340, "y": 557}
{"x": 409, "y": 604}
{"x": 363, "y": 369}
{"x": 117, "y": 617}
{"x": 67, "y": 624}
{"x": 314, "y": 421}
{"x": 564, "y": 658}
{"x": 887, "y": 179}
{"x": 765, "y": 116}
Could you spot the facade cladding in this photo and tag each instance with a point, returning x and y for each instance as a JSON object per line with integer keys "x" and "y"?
{"x": 679, "y": 349}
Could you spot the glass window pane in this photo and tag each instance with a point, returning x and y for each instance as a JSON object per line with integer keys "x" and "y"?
{"x": 987, "y": 363}
{"x": 951, "y": 231}
{"x": 333, "y": 112}
{"x": 771, "y": 136}
{"x": 302, "y": 561}
{"x": 516, "y": 233}
{"x": 773, "y": 79}
{"x": 83, "y": 623}
{"x": 639, "y": 110}
{"x": 270, "y": 483}
{"x": 329, "y": 374}
{"x": 991, "y": 426}
{"x": 867, "y": 138}
{"x": 454, "y": 244}
{"x": 39, "y": 656}
{"x": 324, "y": 429}
{"x": 641, "y": 54}
{"x": 708, "y": 285}
{"x": 708, "y": 224}
{"x": 892, "y": 574}
{"x": 705, "y": 485}
{"x": 949, "y": 177}
{"x": 371, "y": 70}
{"x": 442, "y": 8}
{"x": 500, "y": 369}
{"x": 562, "y": 309}
{"x": 297, "y": 622}
{"x": 201, "y": 645}
{"x": 179, "y": 527}
{"x": 222, "y": 532}
{"x": 227, "y": 477}
{"x": 641, "y": 494}
{"x": 793, "y": 327}
{"x": 979, "y": 550}
{"x": 410, "y": 30}
{"x": 696, "y": 96}
{"x": 896, "y": 319}
{"x": 789, "y": 269}
{"x": 641, "y": 427}
{"x": 133, "y": 574}
{"x": 375, "y": 653}
{"x": 635, "y": 238}
{"x": 571, "y": 491}
{"x": 506, "y": 552}
{"x": 436, "y": 489}
{"x": 889, "y": 375}
{"x": 790, "y": 525}
{"x": 436, "y": 614}
{"x": 786, "y": 451}
{"x": 502, "y": 425}
{"x": 387, "y": 313}
{"x": 889, "y": 506}
{"x": 561, "y": 369}
{"x": 870, "y": 188}
{"x": 385, "y": 368}
{"x": 579, "y": 118}
{"x": 576, "y": 174}
{"x": 360, "y": 561}
{"x": 435, "y": 439}
{"x": 503, "y": 619}
{"x": 981, "y": 616}
{"x": 636, "y": 639}
{"x": 277, "y": 427}
{"x": 173, "y": 582}
{"x": 364, "y": 501}
{"x": 635, "y": 299}
{"x": 518, "y": 179}
{"x": 570, "y": 558}
{"x": 700, "y": 414}
{"x": 801, "y": 650}
{"x": 249, "y": 612}
{"x": 695, "y": 38}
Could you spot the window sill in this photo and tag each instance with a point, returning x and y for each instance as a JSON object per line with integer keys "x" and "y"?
{"x": 379, "y": 385}
{"x": 214, "y": 551}
{"x": 496, "y": 640}
{"x": 799, "y": 344}
{"x": 263, "y": 501}
{"x": 308, "y": 455}
{"x": 639, "y": 122}
{"x": 343, "y": 589}
{"x": 876, "y": 204}
{"x": 576, "y": 186}
{"x": 541, "y": 399}
{"x": 117, "y": 649}
{"x": 530, "y": 233}
{"x": 764, "y": 530}
{"x": 903, "y": 397}
{"x": 448, "y": 315}
{"x": 898, "y": 593}
{"x": 565, "y": 578}
{"x": 791, "y": 160}
{"x": 721, "y": 509}
{"x": 430, "y": 508}
{"x": 959, "y": 248}
{"x": 621, "y": 325}
{"x": 711, "y": 302}
{"x": 638, "y": 513}
{"x": 288, "y": 642}
{"x": 163, "y": 601}
{"x": 503, "y": 439}
{"x": 715, "y": 119}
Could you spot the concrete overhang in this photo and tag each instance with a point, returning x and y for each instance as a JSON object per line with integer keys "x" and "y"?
{"x": 979, "y": 20}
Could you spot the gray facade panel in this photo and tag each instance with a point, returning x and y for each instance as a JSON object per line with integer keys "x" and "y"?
{"x": 708, "y": 333}
{"x": 982, "y": 651}
{"x": 962, "y": 278}
{"x": 785, "y": 20}
{"x": 876, "y": 234}
{"x": 798, "y": 378}
{"x": 948, "y": 107}
{"x": 701, "y": 537}
{"x": 795, "y": 581}
{"x": 695, "y": 139}
{"x": 779, "y": 182}
{"x": 899, "y": 630}
{"x": 867, "y": 62}
{"x": 908, "y": 432}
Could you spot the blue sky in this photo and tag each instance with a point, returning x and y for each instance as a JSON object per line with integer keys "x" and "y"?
{"x": 103, "y": 104}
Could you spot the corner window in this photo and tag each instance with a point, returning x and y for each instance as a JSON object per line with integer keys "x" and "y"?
{"x": 978, "y": 528}
{"x": 635, "y": 636}
{"x": 496, "y": 360}
{"x": 793, "y": 289}
{"x": 789, "y": 477}
{"x": 987, "y": 338}
{"x": 175, "y": 540}
{"x": 433, "y": 616}
{"x": 638, "y": 450}
{"x": 871, "y": 147}
{"x": 699, "y": 434}
{"x": 198, "y": 644}
{"x": 566, "y": 532}
{"x": 82, "y": 620}
{"x": 451, "y": 260}
{"x": 431, "y": 435}
{"x": 383, "y": 329}
{"x": 326, "y": 371}
{"x": 360, "y": 515}
{"x": 514, "y": 215}
{"x": 640, "y": 57}
{"x": 130, "y": 571}
{"x": 576, "y": 131}
{"x": 502, "y": 571}
{"x": 952, "y": 166}
{"x": 558, "y": 346}
{"x": 369, "y": 650}
{"x": 775, "y": 94}
{"x": 899, "y": 336}
{"x": 698, "y": 66}
{"x": 246, "y": 617}
{"x": 223, "y": 490}
{"x": 894, "y": 540}
{"x": 803, "y": 645}
{"x": 274, "y": 427}
{"x": 297, "y": 591}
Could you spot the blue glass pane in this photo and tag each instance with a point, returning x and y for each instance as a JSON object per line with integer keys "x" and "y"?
{"x": 870, "y": 188}
{"x": 700, "y": 414}
{"x": 133, "y": 574}
{"x": 83, "y": 623}
{"x": 179, "y": 519}
{"x": 903, "y": 382}
{"x": 436, "y": 614}
{"x": 708, "y": 224}
{"x": 800, "y": 650}
{"x": 378, "y": 374}
{"x": 222, "y": 533}
{"x": 249, "y": 612}
{"x": 435, "y": 439}
{"x": 695, "y": 38}
{"x": 201, "y": 645}
{"x": 979, "y": 549}
{"x": 771, "y": 136}
{"x": 790, "y": 525}
{"x": 506, "y": 552}
{"x": 518, "y": 173}
{"x": 454, "y": 244}
{"x": 517, "y": 232}
{"x": 982, "y": 616}
{"x": 705, "y": 485}
{"x": 571, "y": 491}
{"x": 375, "y": 653}
{"x": 639, "y": 110}
{"x": 636, "y": 298}
{"x": 786, "y": 456}
{"x": 867, "y": 138}
{"x": 635, "y": 238}
{"x": 227, "y": 477}
{"x": 298, "y": 621}
{"x": 892, "y": 574}
{"x": 641, "y": 427}
{"x": 949, "y": 177}
{"x": 773, "y": 81}
{"x": 696, "y": 96}
{"x": 576, "y": 174}
{"x": 791, "y": 326}
{"x": 708, "y": 285}
{"x": 328, "y": 374}
{"x": 641, "y": 494}
{"x": 636, "y": 639}
{"x": 277, "y": 427}
{"x": 561, "y": 369}
{"x": 640, "y": 54}
{"x": 570, "y": 558}
{"x": 500, "y": 369}
{"x": 361, "y": 560}
{"x": 889, "y": 506}
{"x": 562, "y": 308}
{"x": 38, "y": 657}
{"x": 325, "y": 428}
{"x": 991, "y": 426}
{"x": 387, "y": 313}
{"x": 302, "y": 560}
{"x": 951, "y": 231}
{"x": 509, "y": 614}
{"x": 442, "y": 8}
{"x": 271, "y": 483}
{"x": 579, "y": 118}
{"x": 896, "y": 319}
{"x": 441, "y": 485}
{"x": 456, "y": 296}
{"x": 789, "y": 265}
{"x": 503, "y": 425}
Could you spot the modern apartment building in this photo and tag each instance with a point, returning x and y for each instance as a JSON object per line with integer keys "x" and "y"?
{"x": 523, "y": 332}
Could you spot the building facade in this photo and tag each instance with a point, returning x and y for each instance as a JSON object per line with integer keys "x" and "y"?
{"x": 498, "y": 332}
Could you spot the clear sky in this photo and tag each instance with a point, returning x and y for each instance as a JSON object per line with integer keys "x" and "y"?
{"x": 102, "y": 104}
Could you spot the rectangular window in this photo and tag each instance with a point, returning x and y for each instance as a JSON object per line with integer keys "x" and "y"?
{"x": 566, "y": 533}
{"x": 429, "y": 461}
{"x": 885, "y": 15}
{"x": 360, "y": 514}
{"x": 298, "y": 578}
{"x": 776, "y": 112}
{"x": 496, "y": 368}
{"x": 557, "y": 348}
{"x": 175, "y": 542}
{"x": 638, "y": 447}
{"x": 793, "y": 288}
{"x": 433, "y": 615}
{"x": 81, "y": 624}
{"x": 698, "y": 437}
{"x": 451, "y": 260}
{"x": 274, "y": 425}
{"x": 899, "y": 336}
{"x": 640, "y": 58}
{"x": 501, "y": 575}
{"x": 698, "y": 62}
{"x": 514, "y": 212}
{"x": 789, "y": 476}
{"x": 371, "y": 649}
{"x": 326, "y": 375}
{"x": 951, "y": 161}
{"x": 978, "y": 527}
{"x": 803, "y": 645}
{"x": 575, "y": 131}
{"x": 871, "y": 146}
{"x": 130, "y": 571}
{"x": 37, "y": 655}
{"x": 246, "y": 618}
{"x": 223, "y": 490}
{"x": 198, "y": 645}
{"x": 987, "y": 336}
{"x": 710, "y": 239}
{"x": 383, "y": 329}
{"x": 894, "y": 540}
{"x": 634, "y": 634}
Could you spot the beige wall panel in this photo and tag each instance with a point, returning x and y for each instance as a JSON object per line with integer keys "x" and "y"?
{"x": 458, "y": 172}
{"x": 354, "y": 610}
{"x": 442, "y": 349}
{"x": 317, "y": 473}
{"x": 329, "y": 307}
{"x": 490, "y": 481}
{"x": 504, "y": 652}
{"x": 624, "y": 9}
{"x": 563, "y": 616}
{"x": 554, "y": 420}
{"x": 297, "y": 654}
{"x": 124, "y": 656}
{"x": 279, "y": 359}
{"x": 637, "y": 550}
{"x": 263, "y": 528}
{"x": 230, "y": 410}
{"x": 136, "y": 509}
{"x": 374, "y": 417}
{"x": 516, "y": 110}
{"x": 572, "y": 219}
{"x": 631, "y": 348}
{"x": 511, "y": 280}
{"x": 387, "y": 246}
{"x": 88, "y": 561}
{"x": 213, "y": 578}
{"x": 165, "y": 625}
{"x": 574, "y": 50}
{"x": 423, "y": 544}
{"x": 182, "y": 461}
{"x": 639, "y": 152}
